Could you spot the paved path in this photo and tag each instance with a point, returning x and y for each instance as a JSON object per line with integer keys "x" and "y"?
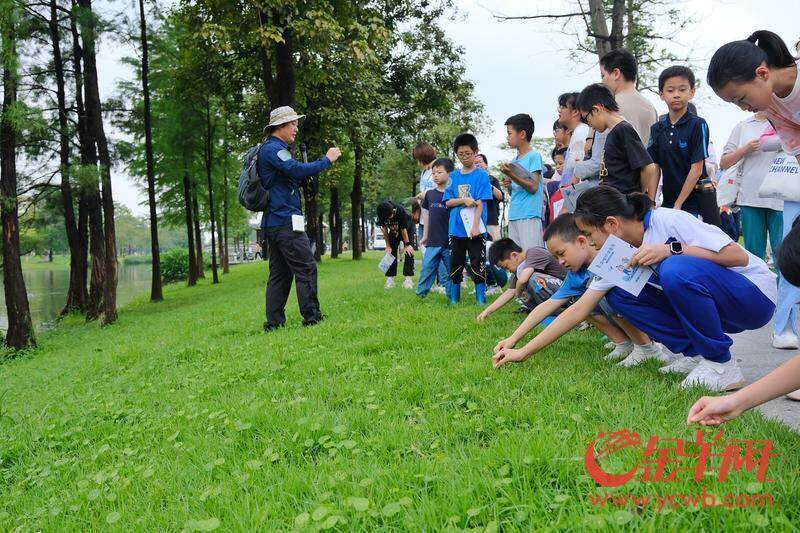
{"x": 754, "y": 352}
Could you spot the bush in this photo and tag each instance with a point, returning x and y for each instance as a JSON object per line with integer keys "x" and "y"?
{"x": 175, "y": 265}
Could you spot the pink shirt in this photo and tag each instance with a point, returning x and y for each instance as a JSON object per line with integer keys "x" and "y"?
{"x": 784, "y": 113}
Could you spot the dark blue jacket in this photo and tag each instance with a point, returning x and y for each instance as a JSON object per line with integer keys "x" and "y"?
{"x": 282, "y": 174}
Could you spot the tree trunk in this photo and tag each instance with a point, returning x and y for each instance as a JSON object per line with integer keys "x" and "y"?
{"x": 364, "y": 231}
{"x": 97, "y": 251}
{"x": 156, "y": 294}
{"x": 266, "y": 65}
{"x": 20, "y": 329}
{"x": 356, "y": 197}
{"x": 310, "y": 210}
{"x": 76, "y": 292}
{"x": 617, "y": 22}
{"x": 209, "y": 155}
{"x": 94, "y": 115}
{"x": 284, "y": 61}
{"x": 597, "y": 15}
{"x": 224, "y": 239}
{"x": 88, "y": 156}
{"x": 334, "y": 223}
{"x": 320, "y": 235}
{"x": 187, "y": 202}
{"x": 198, "y": 246}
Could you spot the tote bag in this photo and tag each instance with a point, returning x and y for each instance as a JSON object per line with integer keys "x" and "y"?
{"x": 782, "y": 180}
{"x": 729, "y": 184}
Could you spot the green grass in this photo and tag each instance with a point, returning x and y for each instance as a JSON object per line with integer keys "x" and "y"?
{"x": 386, "y": 416}
{"x": 40, "y": 262}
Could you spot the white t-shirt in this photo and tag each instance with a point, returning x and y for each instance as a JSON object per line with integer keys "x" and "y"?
{"x": 576, "y": 151}
{"x": 666, "y": 223}
{"x": 754, "y": 166}
{"x": 425, "y": 184}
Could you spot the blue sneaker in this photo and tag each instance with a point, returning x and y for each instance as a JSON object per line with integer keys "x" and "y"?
{"x": 480, "y": 293}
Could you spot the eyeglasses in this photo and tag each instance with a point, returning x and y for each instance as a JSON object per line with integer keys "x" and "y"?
{"x": 465, "y": 155}
{"x": 585, "y": 117}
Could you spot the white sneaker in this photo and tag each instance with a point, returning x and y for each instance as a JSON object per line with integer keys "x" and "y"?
{"x": 583, "y": 326}
{"x": 440, "y": 289}
{"x": 494, "y": 289}
{"x": 609, "y": 345}
{"x": 389, "y": 283}
{"x": 621, "y": 351}
{"x": 717, "y": 377}
{"x": 408, "y": 283}
{"x": 684, "y": 365}
{"x": 639, "y": 354}
{"x": 785, "y": 341}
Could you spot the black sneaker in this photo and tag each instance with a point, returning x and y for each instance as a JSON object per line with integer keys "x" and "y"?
{"x": 313, "y": 321}
{"x": 270, "y": 327}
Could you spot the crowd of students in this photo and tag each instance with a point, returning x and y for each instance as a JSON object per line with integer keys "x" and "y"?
{"x": 621, "y": 170}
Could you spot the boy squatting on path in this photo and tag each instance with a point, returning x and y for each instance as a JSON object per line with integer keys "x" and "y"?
{"x": 704, "y": 286}
{"x": 572, "y": 250}
{"x": 469, "y": 187}
{"x": 534, "y": 271}
{"x": 436, "y": 258}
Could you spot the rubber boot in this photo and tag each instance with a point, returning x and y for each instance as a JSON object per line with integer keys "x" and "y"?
{"x": 455, "y": 293}
{"x": 480, "y": 293}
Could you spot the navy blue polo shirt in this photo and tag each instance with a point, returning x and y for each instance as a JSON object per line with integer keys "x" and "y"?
{"x": 282, "y": 174}
{"x": 675, "y": 148}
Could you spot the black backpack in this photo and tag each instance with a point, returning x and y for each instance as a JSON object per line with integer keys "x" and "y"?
{"x": 252, "y": 194}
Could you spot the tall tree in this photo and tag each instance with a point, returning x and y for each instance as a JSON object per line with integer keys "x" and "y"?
{"x": 156, "y": 293}
{"x": 645, "y": 27}
{"x": 20, "y": 329}
{"x": 209, "y": 163}
{"x": 76, "y": 292}
{"x": 94, "y": 112}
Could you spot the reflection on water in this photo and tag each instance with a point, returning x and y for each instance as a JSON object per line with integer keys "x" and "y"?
{"x": 47, "y": 292}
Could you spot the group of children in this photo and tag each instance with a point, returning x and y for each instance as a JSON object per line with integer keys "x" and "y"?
{"x": 704, "y": 285}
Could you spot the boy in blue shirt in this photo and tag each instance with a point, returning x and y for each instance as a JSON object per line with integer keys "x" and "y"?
{"x": 679, "y": 147}
{"x": 527, "y": 200}
{"x": 469, "y": 188}
{"x": 435, "y": 239}
{"x": 573, "y": 252}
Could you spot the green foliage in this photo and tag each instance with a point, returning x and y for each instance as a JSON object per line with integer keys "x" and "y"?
{"x": 175, "y": 265}
{"x": 386, "y": 416}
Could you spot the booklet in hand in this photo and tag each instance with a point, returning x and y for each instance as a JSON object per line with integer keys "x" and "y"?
{"x": 519, "y": 171}
{"x": 468, "y": 218}
{"x": 386, "y": 262}
{"x": 611, "y": 264}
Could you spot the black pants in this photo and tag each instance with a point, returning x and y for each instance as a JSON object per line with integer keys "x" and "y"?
{"x": 290, "y": 258}
{"x": 396, "y": 244}
{"x": 476, "y": 247}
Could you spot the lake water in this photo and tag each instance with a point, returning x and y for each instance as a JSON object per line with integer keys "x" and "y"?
{"x": 47, "y": 292}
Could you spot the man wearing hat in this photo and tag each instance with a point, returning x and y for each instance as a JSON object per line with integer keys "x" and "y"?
{"x": 290, "y": 255}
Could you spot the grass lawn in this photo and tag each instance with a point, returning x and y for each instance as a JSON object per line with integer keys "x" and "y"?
{"x": 185, "y": 415}
{"x": 40, "y": 262}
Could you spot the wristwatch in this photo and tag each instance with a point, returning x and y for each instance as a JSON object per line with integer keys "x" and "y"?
{"x": 675, "y": 248}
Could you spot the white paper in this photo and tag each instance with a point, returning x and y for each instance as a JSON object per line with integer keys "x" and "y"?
{"x": 298, "y": 223}
{"x": 611, "y": 264}
{"x": 386, "y": 262}
{"x": 468, "y": 217}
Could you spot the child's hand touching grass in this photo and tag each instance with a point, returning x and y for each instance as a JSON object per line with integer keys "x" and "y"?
{"x": 508, "y": 355}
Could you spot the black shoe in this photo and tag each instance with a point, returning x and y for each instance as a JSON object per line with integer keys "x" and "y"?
{"x": 313, "y": 321}
{"x": 270, "y": 327}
